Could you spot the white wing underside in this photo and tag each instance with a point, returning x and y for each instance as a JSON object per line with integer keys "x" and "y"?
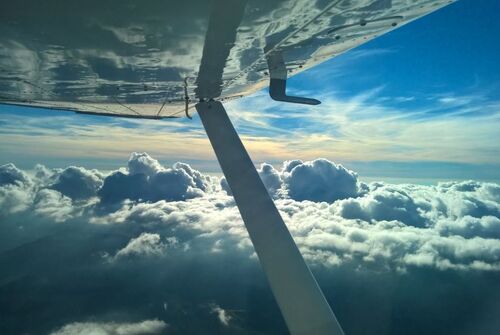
{"x": 136, "y": 59}
{"x": 156, "y": 60}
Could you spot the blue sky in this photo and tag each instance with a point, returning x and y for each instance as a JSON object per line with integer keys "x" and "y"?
{"x": 422, "y": 102}
{"x": 453, "y": 51}
{"x": 150, "y": 246}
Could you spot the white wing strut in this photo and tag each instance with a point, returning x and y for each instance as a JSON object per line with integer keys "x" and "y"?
{"x": 299, "y": 297}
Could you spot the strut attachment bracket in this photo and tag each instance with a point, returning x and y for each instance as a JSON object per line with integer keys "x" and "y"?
{"x": 278, "y": 77}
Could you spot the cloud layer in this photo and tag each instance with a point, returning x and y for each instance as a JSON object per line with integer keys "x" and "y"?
{"x": 334, "y": 217}
{"x": 93, "y": 328}
{"x": 177, "y": 232}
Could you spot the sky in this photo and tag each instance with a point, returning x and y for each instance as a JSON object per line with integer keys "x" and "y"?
{"x": 390, "y": 189}
{"x": 420, "y": 102}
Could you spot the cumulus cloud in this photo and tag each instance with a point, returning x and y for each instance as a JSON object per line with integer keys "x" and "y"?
{"x": 78, "y": 183}
{"x": 147, "y": 180}
{"x": 145, "y": 327}
{"x": 10, "y": 174}
{"x": 145, "y": 245}
{"x": 335, "y": 218}
{"x": 200, "y": 180}
{"x": 384, "y": 203}
{"x": 468, "y": 226}
{"x": 54, "y": 205}
{"x": 14, "y": 199}
{"x": 289, "y": 165}
{"x": 270, "y": 177}
{"x": 393, "y": 226}
{"x": 142, "y": 163}
{"x": 225, "y": 186}
{"x": 174, "y": 237}
{"x": 319, "y": 180}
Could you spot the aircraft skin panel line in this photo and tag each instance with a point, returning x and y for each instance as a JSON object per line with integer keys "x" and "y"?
{"x": 139, "y": 59}
{"x": 301, "y": 301}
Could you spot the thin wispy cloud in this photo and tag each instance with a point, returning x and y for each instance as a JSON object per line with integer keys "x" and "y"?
{"x": 358, "y": 128}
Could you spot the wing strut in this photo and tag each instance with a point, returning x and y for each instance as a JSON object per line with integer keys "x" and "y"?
{"x": 299, "y": 297}
{"x": 304, "y": 308}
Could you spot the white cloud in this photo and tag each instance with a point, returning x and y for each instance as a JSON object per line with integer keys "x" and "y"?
{"x": 145, "y": 327}
{"x": 52, "y": 204}
{"x": 142, "y": 163}
{"x": 77, "y": 182}
{"x": 147, "y": 180}
{"x": 145, "y": 245}
{"x": 319, "y": 180}
{"x": 14, "y": 198}
{"x": 335, "y": 219}
{"x": 468, "y": 227}
{"x": 195, "y": 255}
{"x": 10, "y": 174}
{"x": 365, "y": 127}
{"x": 200, "y": 180}
{"x": 270, "y": 177}
{"x": 391, "y": 226}
{"x": 222, "y": 315}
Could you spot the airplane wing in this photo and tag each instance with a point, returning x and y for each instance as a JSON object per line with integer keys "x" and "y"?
{"x": 142, "y": 58}
{"x": 157, "y": 59}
